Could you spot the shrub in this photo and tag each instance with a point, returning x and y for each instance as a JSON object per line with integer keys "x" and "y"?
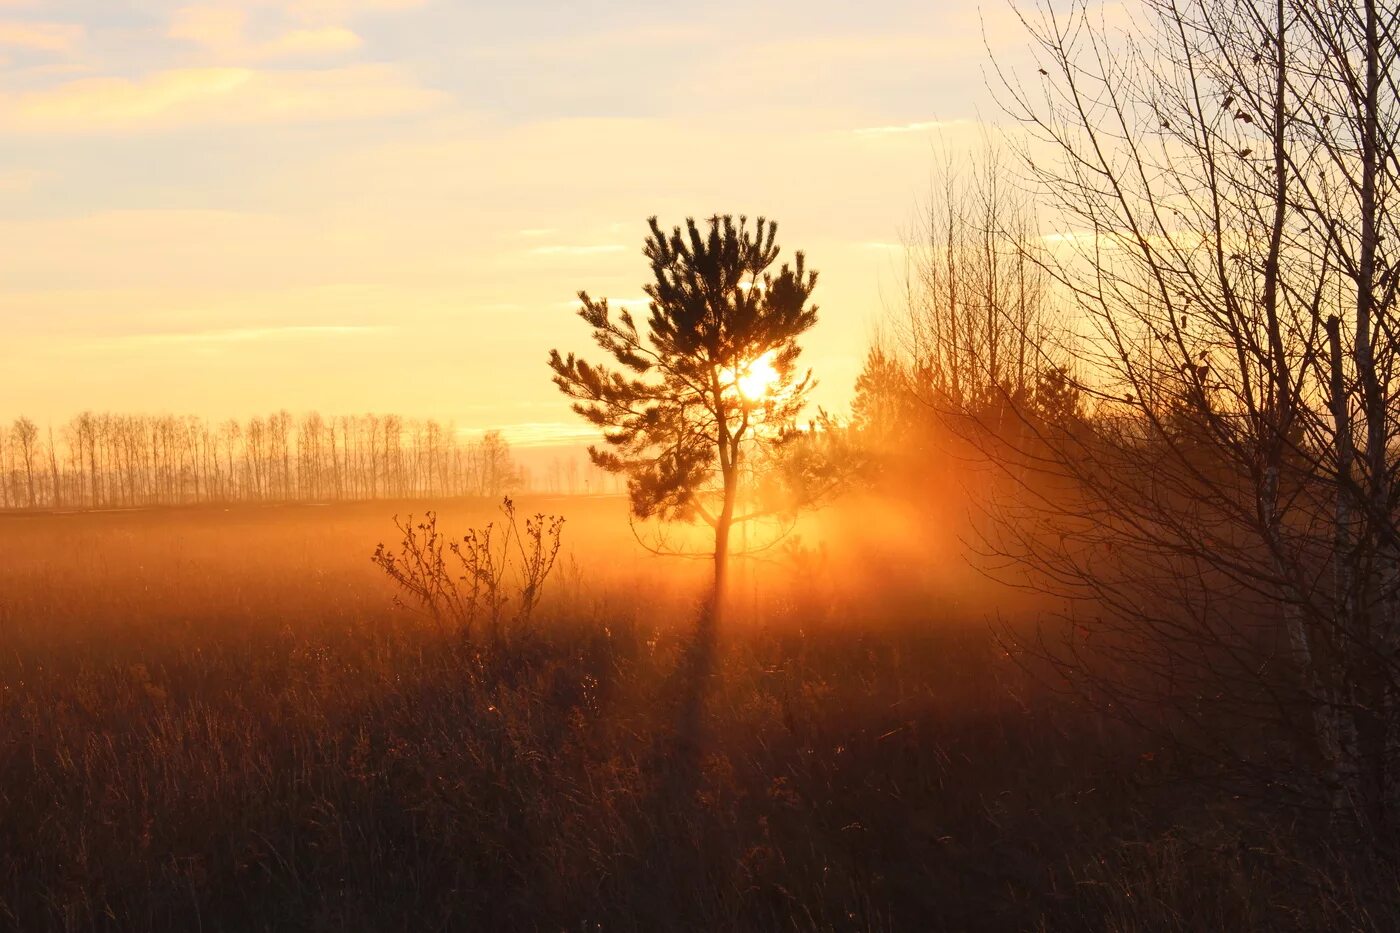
{"x": 494, "y": 574}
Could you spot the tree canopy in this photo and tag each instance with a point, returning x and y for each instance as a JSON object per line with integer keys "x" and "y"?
{"x": 710, "y": 373}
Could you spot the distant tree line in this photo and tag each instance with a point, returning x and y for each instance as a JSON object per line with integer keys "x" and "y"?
{"x": 118, "y": 461}
{"x": 572, "y": 474}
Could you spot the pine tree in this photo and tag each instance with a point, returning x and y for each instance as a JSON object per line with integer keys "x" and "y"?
{"x": 710, "y": 379}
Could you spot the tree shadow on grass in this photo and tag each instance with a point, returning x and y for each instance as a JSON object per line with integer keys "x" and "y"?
{"x": 678, "y": 853}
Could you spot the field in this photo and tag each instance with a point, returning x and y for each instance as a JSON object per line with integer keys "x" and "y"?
{"x": 218, "y": 719}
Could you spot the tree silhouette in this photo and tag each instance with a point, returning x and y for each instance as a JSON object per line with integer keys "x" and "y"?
{"x": 27, "y": 435}
{"x": 710, "y": 381}
{"x": 1225, "y": 527}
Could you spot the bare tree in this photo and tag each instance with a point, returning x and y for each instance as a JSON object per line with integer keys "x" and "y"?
{"x": 1223, "y": 516}
{"x": 977, "y": 326}
{"x": 26, "y": 435}
{"x": 497, "y": 472}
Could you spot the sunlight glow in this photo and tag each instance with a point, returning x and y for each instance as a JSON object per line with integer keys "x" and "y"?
{"x": 759, "y": 378}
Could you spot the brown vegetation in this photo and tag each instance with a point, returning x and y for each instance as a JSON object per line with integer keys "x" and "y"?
{"x": 216, "y": 719}
{"x": 1169, "y": 433}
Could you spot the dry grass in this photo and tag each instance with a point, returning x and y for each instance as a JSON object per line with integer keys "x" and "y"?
{"x": 216, "y": 720}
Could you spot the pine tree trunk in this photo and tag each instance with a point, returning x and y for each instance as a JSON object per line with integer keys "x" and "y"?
{"x": 723, "y": 527}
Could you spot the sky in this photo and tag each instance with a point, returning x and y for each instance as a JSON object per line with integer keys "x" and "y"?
{"x": 226, "y": 209}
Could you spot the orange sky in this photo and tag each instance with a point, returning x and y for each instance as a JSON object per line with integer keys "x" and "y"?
{"x": 354, "y": 205}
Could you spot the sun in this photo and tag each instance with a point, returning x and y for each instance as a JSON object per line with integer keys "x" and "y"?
{"x": 758, "y": 378}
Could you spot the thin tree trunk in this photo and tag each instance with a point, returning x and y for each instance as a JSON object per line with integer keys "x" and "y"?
{"x": 1338, "y": 733}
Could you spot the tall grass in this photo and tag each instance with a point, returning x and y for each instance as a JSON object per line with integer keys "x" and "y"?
{"x": 215, "y": 720}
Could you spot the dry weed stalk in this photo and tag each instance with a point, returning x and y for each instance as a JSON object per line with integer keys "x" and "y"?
{"x": 492, "y": 573}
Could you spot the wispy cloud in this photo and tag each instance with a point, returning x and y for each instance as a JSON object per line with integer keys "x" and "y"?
{"x": 20, "y": 180}
{"x": 60, "y": 68}
{"x": 247, "y": 335}
{"x": 341, "y": 10}
{"x": 556, "y": 249}
{"x": 589, "y": 45}
{"x": 40, "y": 37}
{"x": 216, "y": 96}
{"x": 319, "y": 41}
{"x": 217, "y": 27}
{"x": 308, "y": 12}
{"x": 629, "y": 303}
{"x": 223, "y": 31}
{"x": 899, "y": 129}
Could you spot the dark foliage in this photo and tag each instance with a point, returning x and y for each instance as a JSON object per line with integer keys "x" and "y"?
{"x": 672, "y": 414}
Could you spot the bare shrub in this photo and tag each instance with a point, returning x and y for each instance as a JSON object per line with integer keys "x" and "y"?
{"x": 493, "y": 574}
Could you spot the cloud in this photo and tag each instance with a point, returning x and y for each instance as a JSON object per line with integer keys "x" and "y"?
{"x": 215, "y": 27}
{"x": 589, "y": 45}
{"x": 223, "y": 30}
{"x": 40, "y": 37}
{"x": 308, "y": 12}
{"x": 591, "y": 250}
{"x": 20, "y": 180}
{"x": 249, "y": 334}
{"x": 338, "y": 11}
{"x": 320, "y": 41}
{"x": 639, "y": 303}
{"x": 216, "y": 96}
{"x": 66, "y": 68}
{"x": 899, "y": 129}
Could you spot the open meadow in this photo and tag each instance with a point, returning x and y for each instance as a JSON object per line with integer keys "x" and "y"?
{"x": 438, "y": 494}
{"x": 218, "y": 719}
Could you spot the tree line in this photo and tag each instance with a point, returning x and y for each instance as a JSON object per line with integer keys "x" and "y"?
{"x": 121, "y": 461}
